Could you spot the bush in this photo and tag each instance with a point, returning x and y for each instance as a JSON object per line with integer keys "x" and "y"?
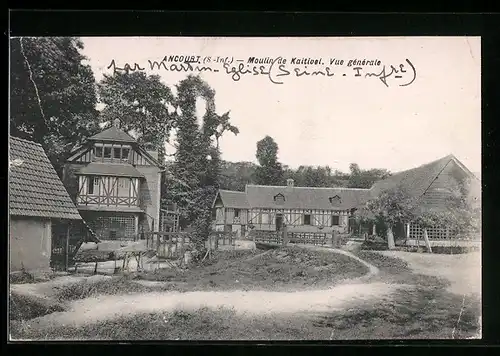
{"x": 374, "y": 245}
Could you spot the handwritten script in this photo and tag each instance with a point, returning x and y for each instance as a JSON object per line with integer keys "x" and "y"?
{"x": 278, "y": 68}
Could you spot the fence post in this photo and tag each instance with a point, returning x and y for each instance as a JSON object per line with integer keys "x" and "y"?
{"x": 66, "y": 254}
{"x": 170, "y": 241}
{"x": 285, "y": 235}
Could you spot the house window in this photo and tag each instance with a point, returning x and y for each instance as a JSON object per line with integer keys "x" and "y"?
{"x": 279, "y": 198}
{"x": 123, "y": 183}
{"x": 264, "y": 218}
{"x": 125, "y": 152}
{"x": 307, "y": 219}
{"x": 335, "y": 220}
{"x": 335, "y": 200}
{"x": 236, "y": 213}
{"x": 98, "y": 152}
{"x": 93, "y": 184}
{"x": 117, "y": 152}
{"x": 107, "y": 152}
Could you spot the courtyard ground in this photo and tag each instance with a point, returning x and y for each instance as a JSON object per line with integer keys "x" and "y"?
{"x": 287, "y": 293}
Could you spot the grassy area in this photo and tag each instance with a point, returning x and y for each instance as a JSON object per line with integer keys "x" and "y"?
{"x": 281, "y": 269}
{"x": 419, "y": 313}
{"x": 427, "y": 310}
{"x": 416, "y": 314}
{"x": 25, "y": 307}
{"x": 201, "y": 324}
{"x": 289, "y": 268}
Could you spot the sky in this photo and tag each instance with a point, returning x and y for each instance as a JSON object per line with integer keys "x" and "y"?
{"x": 319, "y": 120}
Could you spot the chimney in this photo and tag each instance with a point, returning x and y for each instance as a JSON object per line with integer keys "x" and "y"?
{"x": 116, "y": 123}
{"x": 289, "y": 183}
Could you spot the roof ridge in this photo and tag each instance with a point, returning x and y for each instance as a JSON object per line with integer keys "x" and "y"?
{"x": 111, "y": 128}
{"x": 448, "y": 157}
{"x": 24, "y": 140}
{"x": 295, "y": 187}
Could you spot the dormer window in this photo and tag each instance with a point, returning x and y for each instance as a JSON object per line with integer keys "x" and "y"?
{"x": 107, "y": 152}
{"x": 117, "y": 152}
{"x": 98, "y": 152}
{"x": 125, "y": 152}
{"x": 335, "y": 200}
{"x": 110, "y": 151}
{"x": 279, "y": 198}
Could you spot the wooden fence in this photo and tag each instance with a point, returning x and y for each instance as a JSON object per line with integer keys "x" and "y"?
{"x": 174, "y": 244}
{"x": 272, "y": 237}
{"x": 314, "y": 238}
{"x": 167, "y": 244}
{"x": 284, "y": 237}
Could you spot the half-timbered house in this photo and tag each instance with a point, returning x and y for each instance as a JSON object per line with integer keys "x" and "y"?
{"x": 301, "y": 209}
{"x": 306, "y": 209}
{"x": 115, "y": 183}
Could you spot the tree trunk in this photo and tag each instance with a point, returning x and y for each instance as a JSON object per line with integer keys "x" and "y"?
{"x": 390, "y": 238}
{"x": 427, "y": 242}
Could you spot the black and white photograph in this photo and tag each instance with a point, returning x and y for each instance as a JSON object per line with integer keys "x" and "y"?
{"x": 244, "y": 188}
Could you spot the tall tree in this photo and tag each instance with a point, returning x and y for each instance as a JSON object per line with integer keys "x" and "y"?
{"x": 235, "y": 175}
{"x": 365, "y": 178}
{"x": 193, "y": 182}
{"x": 52, "y": 94}
{"x": 269, "y": 171}
{"x": 392, "y": 207}
{"x": 143, "y": 104}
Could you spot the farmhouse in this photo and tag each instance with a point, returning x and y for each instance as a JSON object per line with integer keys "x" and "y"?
{"x": 301, "y": 209}
{"x": 115, "y": 184}
{"x": 327, "y": 210}
{"x": 39, "y": 208}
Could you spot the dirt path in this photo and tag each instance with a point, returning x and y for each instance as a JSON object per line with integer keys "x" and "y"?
{"x": 101, "y": 308}
{"x": 462, "y": 270}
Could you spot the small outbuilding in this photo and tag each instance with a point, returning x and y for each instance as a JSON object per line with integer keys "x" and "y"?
{"x": 38, "y": 206}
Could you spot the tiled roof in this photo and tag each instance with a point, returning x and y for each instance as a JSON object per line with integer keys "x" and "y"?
{"x": 414, "y": 181}
{"x": 113, "y": 134}
{"x": 233, "y": 199}
{"x": 110, "y": 169}
{"x": 34, "y": 186}
{"x": 260, "y": 196}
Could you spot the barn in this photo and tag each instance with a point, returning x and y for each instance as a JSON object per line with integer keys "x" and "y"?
{"x": 431, "y": 184}
{"x": 39, "y": 205}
